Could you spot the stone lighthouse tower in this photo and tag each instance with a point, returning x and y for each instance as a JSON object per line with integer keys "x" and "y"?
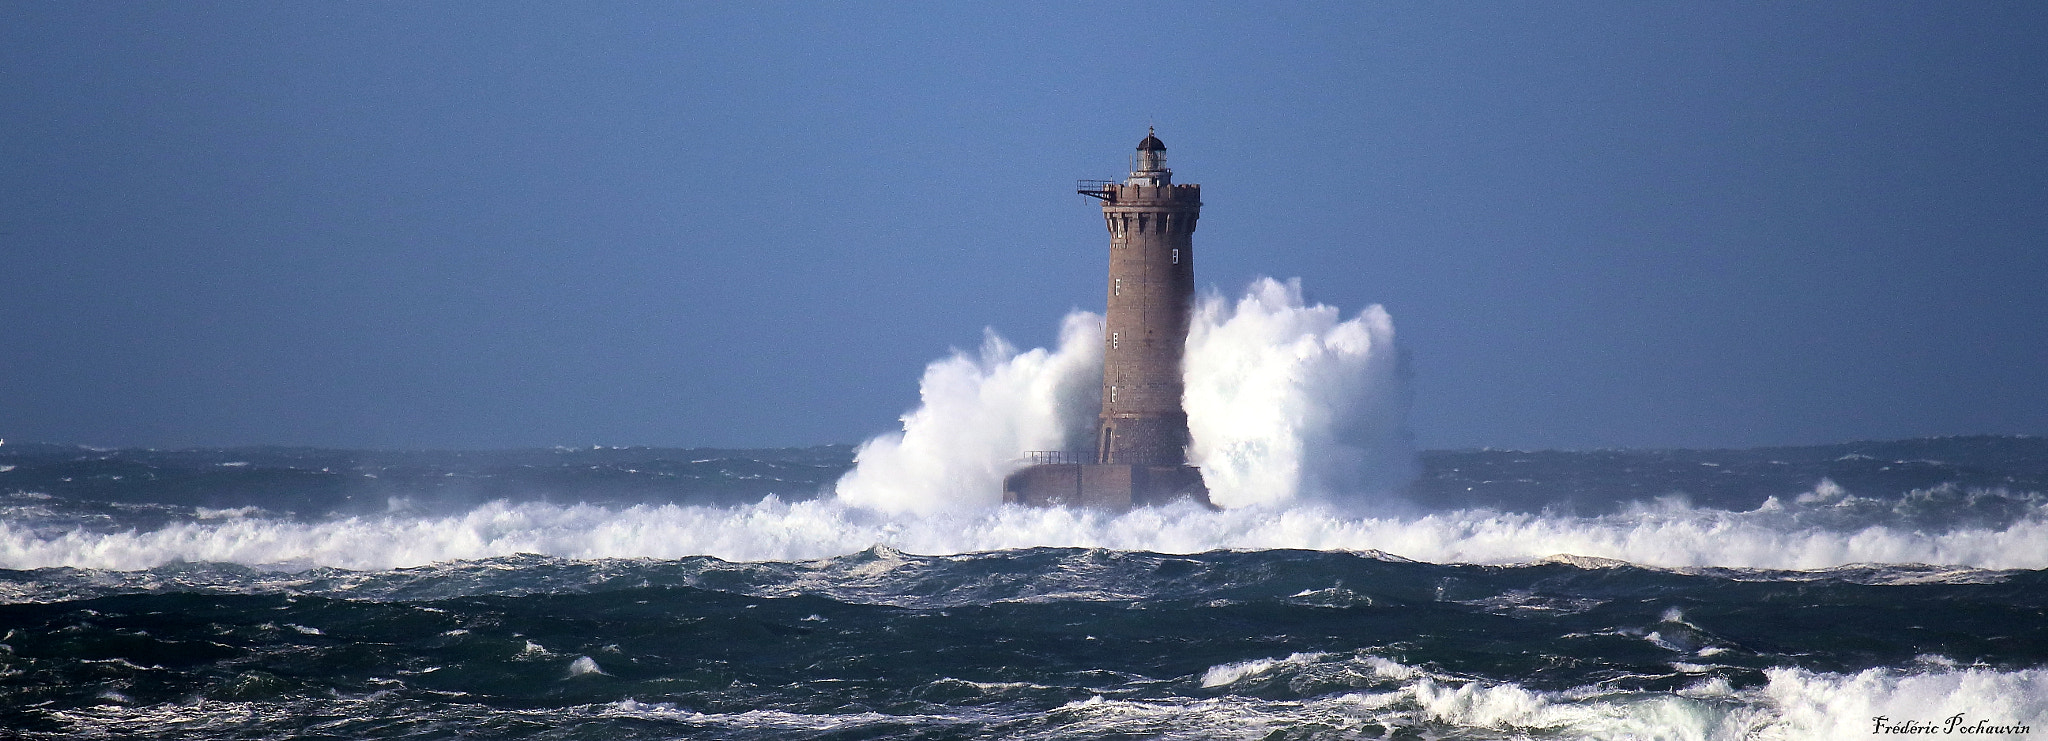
{"x": 1151, "y": 290}
{"x": 1141, "y": 438}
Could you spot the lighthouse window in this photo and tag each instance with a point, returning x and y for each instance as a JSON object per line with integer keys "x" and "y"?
{"x": 1117, "y": 288}
{"x": 1112, "y": 341}
{"x": 1112, "y": 394}
{"x": 1176, "y": 257}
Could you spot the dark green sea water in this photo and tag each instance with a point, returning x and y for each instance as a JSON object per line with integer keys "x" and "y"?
{"x": 656, "y": 594}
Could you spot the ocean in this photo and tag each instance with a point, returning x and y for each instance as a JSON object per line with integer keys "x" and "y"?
{"x": 1843, "y": 591}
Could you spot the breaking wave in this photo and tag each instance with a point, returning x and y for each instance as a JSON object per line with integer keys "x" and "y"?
{"x": 1796, "y": 704}
{"x": 1349, "y": 695}
{"x": 1793, "y": 704}
{"x": 1286, "y": 401}
{"x": 1666, "y": 534}
{"x": 979, "y": 413}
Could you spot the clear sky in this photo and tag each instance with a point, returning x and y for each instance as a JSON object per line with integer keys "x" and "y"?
{"x": 490, "y": 224}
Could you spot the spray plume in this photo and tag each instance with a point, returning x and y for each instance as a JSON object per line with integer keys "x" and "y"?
{"x": 1288, "y": 400}
{"x": 1285, "y": 401}
{"x": 978, "y": 415}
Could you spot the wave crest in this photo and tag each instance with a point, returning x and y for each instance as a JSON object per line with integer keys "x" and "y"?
{"x": 774, "y": 530}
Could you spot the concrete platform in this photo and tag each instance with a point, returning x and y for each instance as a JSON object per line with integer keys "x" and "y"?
{"x": 1114, "y": 487}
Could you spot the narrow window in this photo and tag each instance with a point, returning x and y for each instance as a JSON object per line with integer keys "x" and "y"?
{"x": 1176, "y": 257}
{"x": 1112, "y": 394}
{"x": 1117, "y": 288}
{"x": 1112, "y": 342}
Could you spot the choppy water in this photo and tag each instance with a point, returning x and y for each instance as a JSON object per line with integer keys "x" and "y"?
{"x": 637, "y": 593}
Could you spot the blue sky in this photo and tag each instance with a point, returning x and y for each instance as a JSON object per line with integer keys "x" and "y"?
{"x": 507, "y": 224}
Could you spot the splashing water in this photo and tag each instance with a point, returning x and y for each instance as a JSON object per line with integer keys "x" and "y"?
{"x": 978, "y": 415}
{"x": 1285, "y": 401}
{"x": 633, "y": 613}
{"x": 775, "y": 530}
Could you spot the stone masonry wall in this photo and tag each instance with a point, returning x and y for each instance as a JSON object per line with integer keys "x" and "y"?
{"x": 1151, "y": 291}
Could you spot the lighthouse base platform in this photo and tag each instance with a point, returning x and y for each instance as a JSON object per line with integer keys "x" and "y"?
{"x": 1111, "y": 486}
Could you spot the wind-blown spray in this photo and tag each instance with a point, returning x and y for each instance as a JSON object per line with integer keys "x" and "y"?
{"x": 1285, "y": 400}
{"x": 978, "y": 415}
{"x": 1288, "y": 400}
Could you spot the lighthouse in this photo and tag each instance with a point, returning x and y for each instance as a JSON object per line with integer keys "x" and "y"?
{"x": 1141, "y": 436}
{"x": 1151, "y": 290}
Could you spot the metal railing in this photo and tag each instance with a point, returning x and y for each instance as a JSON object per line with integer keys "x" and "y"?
{"x": 1056, "y": 457}
{"x": 1101, "y": 189}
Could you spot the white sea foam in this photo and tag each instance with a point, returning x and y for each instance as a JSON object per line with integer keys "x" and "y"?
{"x": 979, "y": 415}
{"x": 1224, "y": 674}
{"x": 1285, "y": 400}
{"x": 1288, "y": 400}
{"x": 1384, "y": 699}
{"x": 774, "y": 530}
{"x": 208, "y": 513}
{"x": 1794, "y": 704}
{"x": 1823, "y": 705}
